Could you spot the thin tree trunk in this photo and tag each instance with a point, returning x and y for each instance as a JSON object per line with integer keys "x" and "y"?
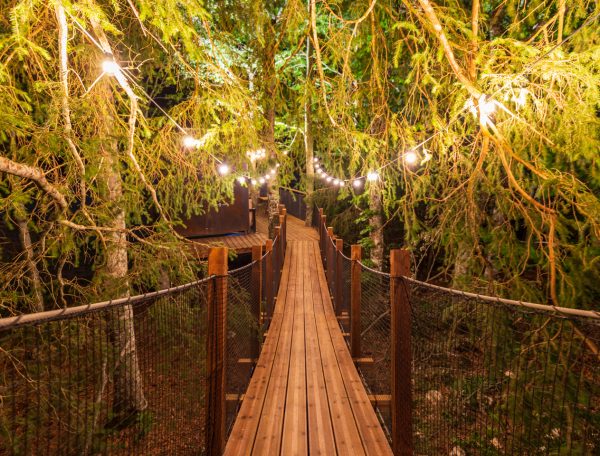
{"x": 128, "y": 390}
{"x": 376, "y": 222}
{"x": 308, "y": 133}
{"x": 34, "y": 274}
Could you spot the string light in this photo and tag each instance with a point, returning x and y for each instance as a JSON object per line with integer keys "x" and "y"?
{"x": 329, "y": 179}
{"x": 357, "y": 183}
{"x": 110, "y": 67}
{"x": 341, "y": 183}
{"x": 241, "y": 180}
{"x": 315, "y": 159}
{"x": 253, "y": 182}
{"x": 372, "y": 176}
{"x": 336, "y": 181}
{"x": 223, "y": 169}
{"x": 258, "y": 154}
{"x": 262, "y": 180}
{"x": 190, "y": 142}
{"x": 411, "y": 157}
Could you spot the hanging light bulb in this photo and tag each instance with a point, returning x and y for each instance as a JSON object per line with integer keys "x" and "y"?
{"x": 272, "y": 171}
{"x": 277, "y": 165}
{"x": 241, "y": 180}
{"x": 315, "y": 159}
{"x": 329, "y": 179}
{"x": 267, "y": 176}
{"x": 190, "y": 142}
{"x": 223, "y": 169}
{"x": 357, "y": 183}
{"x": 410, "y": 157}
{"x": 109, "y": 66}
{"x": 372, "y": 176}
{"x": 341, "y": 183}
{"x": 336, "y": 181}
{"x": 261, "y": 180}
{"x": 253, "y": 182}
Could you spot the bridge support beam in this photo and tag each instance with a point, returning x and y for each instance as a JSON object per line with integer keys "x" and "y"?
{"x": 401, "y": 354}
{"x": 216, "y": 350}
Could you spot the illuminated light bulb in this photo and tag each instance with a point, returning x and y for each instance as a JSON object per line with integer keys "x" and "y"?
{"x": 241, "y": 180}
{"x": 223, "y": 169}
{"x": 285, "y": 152}
{"x": 190, "y": 142}
{"x": 262, "y": 180}
{"x": 267, "y": 176}
{"x": 410, "y": 158}
{"x": 372, "y": 176}
{"x": 277, "y": 165}
{"x": 356, "y": 183}
{"x": 329, "y": 179}
{"x": 253, "y": 182}
{"x": 336, "y": 181}
{"x": 342, "y": 183}
{"x": 111, "y": 67}
{"x": 272, "y": 171}
{"x": 315, "y": 159}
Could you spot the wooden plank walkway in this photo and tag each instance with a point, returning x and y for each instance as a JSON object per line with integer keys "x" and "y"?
{"x": 305, "y": 396}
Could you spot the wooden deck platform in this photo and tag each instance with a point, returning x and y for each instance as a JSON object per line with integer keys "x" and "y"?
{"x": 305, "y": 396}
{"x": 242, "y": 243}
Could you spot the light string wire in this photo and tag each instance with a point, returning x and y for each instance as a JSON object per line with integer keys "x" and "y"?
{"x": 373, "y": 174}
{"x": 223, "y": 167}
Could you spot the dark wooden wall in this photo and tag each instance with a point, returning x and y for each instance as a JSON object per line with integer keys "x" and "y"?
{"x": 229, "y": 218}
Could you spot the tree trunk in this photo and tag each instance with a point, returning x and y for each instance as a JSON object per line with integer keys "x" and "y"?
{"x": 113, "y": 278}
{"x": 270, "y": 85}
{"x": 376, "y": 222}
{"x": 308, "y": 134}
{"x": 34, "y": 274}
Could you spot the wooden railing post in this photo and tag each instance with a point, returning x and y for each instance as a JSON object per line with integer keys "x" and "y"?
{"x": 256, "y": 296}
{"x": 323, "y": 239}
{"x": 339, "y": 275}
{"x": 330, "y": 260}
{"x": 269, "y": 291}
{"x": 277, "y": 255}
{"x": 283, "y": 225}
{"x": 355, "y": 297}
{"x": 216, "y": 350}
{"x": 401, "y": 354}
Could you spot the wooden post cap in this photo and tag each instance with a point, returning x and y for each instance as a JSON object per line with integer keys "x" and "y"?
{"x": 217, "y": 261}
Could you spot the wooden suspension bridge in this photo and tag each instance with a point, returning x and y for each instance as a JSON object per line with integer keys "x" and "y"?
{"x": 302, "y": 391}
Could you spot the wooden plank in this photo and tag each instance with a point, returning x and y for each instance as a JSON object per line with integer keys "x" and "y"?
{"x": 346, "y": 433}
{"x": 295, "y": 434}
{"x": 320, "y": 430}
{"x": 243, "y": 434}
{"x": 269, "y": 433}
{"x": 371, "y": 433}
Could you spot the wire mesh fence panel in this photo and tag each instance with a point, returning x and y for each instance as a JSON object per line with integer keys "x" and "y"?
{"x": 124, "y": 379}
{"x": 294, "y": 202}
{"x": 264, "y": 307}
{"x": 346, "y": 314}
{"x": 489, "y": 378}
{"x": 375, "y": 340}
{"x": 242, "y": 338}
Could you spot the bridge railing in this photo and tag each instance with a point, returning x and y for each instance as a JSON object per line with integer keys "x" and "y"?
{"x": 451, "y": 372}
{"x": 163, "y": 372}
